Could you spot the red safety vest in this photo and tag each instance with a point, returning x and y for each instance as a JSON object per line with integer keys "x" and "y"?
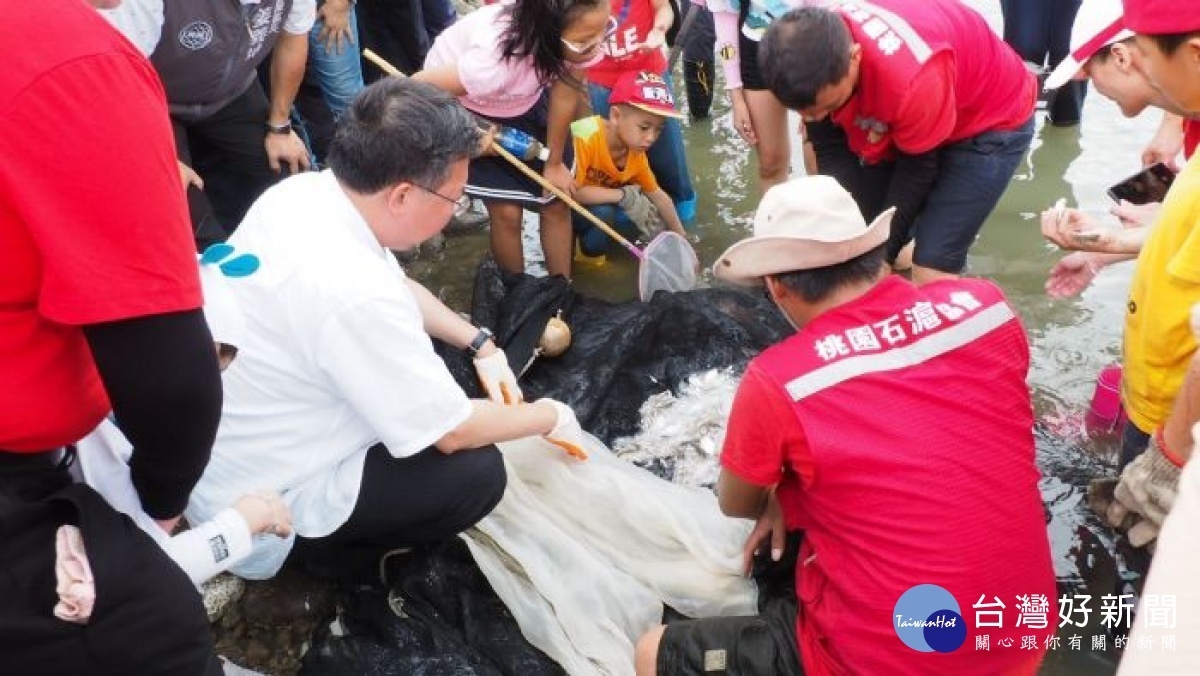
{"x": 918, "y": 419}
{"x": 993, "y": 89}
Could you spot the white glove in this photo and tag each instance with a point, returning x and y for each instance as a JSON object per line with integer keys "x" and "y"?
{"x": 1147, "y": 488}
{"x": 567, "y": 434}
{"x": 639, "y": 209}
{"x": 498, "y": 379}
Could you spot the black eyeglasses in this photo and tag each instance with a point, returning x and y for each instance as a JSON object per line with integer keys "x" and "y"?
{"x": 461, "y": 205}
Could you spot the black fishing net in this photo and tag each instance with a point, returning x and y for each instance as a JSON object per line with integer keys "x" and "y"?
{"x": 621, "y": 353}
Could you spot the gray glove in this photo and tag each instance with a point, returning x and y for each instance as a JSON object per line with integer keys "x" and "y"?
{"x": 640, "y": 210}
{"x": 1147, "y": 489}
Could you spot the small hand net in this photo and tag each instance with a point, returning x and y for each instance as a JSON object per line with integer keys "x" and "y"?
{"x": 669, "y": 264}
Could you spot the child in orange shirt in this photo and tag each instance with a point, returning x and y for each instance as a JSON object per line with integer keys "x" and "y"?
{"x": 611, "y": 169}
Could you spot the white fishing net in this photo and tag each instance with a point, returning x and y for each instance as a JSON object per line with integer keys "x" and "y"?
{"x": 586, "y": 554}
{"x": 669, "y": 265}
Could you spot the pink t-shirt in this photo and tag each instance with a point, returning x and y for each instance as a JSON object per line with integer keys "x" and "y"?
{"x": 496, "y": 87}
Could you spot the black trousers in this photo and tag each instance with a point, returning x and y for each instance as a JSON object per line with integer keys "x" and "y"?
{"x": 227, "y": 150}
{"x": 406, "y": 502}
{"x": 148, "y": 618}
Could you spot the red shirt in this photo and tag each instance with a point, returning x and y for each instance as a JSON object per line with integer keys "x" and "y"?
{"x": 1191, "y": 137}
{"x": 898, "y": 428}
{"x": 620, "y": 53}
{"x": 932, "y": 73}
{"x": 93, "y": 222}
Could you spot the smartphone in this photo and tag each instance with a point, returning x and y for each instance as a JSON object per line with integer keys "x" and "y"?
{"x": 1148, "y": 185}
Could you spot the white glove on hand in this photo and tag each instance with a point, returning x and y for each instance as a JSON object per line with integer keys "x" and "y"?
{"x": 567, "y": 434}
{"x": 1147, "y": 488}
{"x": 498, "y": 379}
{"x": 640, "y": 210}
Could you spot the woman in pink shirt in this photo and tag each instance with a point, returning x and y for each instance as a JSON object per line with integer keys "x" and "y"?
{"x": 521, "y": 65}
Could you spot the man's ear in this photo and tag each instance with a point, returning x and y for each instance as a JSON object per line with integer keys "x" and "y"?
{"x": 855, "y": 53}
{"x": 397, "y": 194}
{"x": 1120, "y": 53}
{"x": 775, "y": 290}
{"x": 1193, "y": 49}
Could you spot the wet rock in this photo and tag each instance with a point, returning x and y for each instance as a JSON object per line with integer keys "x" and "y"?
{"x": 268, "y": 626}
{"x": 221, "y": 592}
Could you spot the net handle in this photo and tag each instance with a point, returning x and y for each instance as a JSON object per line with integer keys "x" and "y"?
{"x": 533, "y": 175}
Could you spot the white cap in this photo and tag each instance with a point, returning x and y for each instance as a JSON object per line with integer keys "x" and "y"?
{"x": 1098, "y": 23}
{"x": 801, "y": 224}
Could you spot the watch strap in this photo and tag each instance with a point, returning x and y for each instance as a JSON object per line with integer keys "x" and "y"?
{"x": 480, "y": 338}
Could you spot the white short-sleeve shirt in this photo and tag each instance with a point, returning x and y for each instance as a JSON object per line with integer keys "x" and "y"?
{"x": 334, "y": 360}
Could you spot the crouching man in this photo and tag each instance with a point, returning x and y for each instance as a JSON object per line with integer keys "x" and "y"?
{"x": 338, "y": 400}
{"x": 894, "y": 428}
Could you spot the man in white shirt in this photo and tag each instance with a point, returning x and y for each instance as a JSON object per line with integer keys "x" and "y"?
{"x": 337, "y": 399}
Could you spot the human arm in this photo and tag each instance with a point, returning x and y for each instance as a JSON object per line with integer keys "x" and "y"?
{"x": 1185, "y": 412}
{"x": 1149, "y": 485}
{"x": 336, "y": 31}
{"x": 491, "y": 423}
{"x": 443, "y": 323}
{"x": 1166, "y": 144}
{"x": 223, "y": 541}
{"x": 725, "y": 27}
{"x": 1136, "y": 215}
{"x": 448, "y": 326}
{"x": 762, "y": 440}
{"x": 664, "y": 16}
{"x": 117, "y": 258}
{"x": 1076, "y": 270}
{"x": 287, "y": 72}
{"x": 666, "y": 211}
{"x": 925, "y": 120}
{"x": 911, "y": 182}
{"x": 444, "y": 77}
{"x": 1073, "y": 230}
{"x": 564, "y": 99}
{"x": 162, "y": 378}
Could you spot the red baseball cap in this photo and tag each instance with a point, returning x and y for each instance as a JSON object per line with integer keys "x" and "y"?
{"x": 1097, "y": 24}
{"x": 1161, "y": 17}
{"x": 646, "y": 91}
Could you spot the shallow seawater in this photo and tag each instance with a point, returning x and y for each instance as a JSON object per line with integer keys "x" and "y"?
{"x": 1071, "y": 339}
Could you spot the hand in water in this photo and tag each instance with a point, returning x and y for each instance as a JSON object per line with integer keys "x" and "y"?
{"x": 1071, "y": 275}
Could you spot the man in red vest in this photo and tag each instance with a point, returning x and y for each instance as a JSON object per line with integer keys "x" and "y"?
{"x": 931, "y": 113}
{"x": 894, "y": 428}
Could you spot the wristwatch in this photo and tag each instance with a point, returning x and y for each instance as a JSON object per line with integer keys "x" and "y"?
{"x": 285, "y": 128}
{"x": 480, "y": 338}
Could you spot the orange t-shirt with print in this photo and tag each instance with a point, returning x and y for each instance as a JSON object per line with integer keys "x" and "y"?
{"x": 594, "y": 164}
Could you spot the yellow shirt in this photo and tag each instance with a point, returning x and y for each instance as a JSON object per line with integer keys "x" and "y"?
{"x": 1158, "y": 338}
{"x": 594, "y": 164}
